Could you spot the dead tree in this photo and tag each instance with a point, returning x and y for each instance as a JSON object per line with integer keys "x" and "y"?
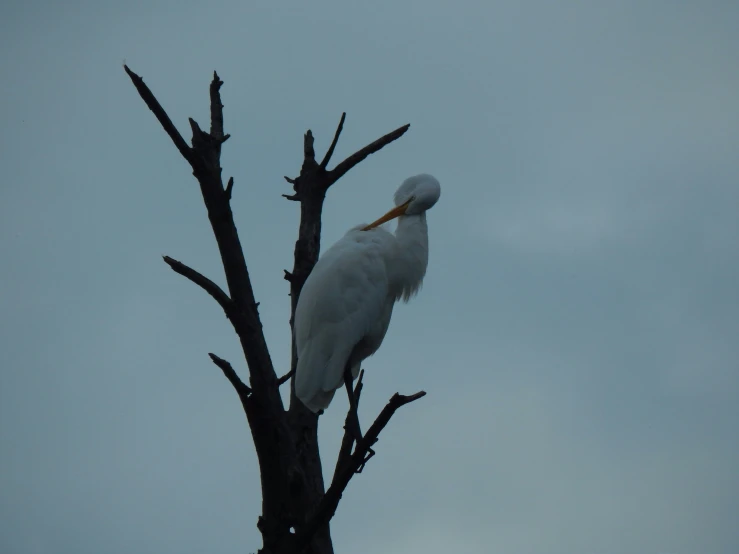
{"x": 296, "y": 507}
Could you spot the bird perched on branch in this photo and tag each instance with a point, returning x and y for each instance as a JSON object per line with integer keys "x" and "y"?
{"x": 346, "y": 303}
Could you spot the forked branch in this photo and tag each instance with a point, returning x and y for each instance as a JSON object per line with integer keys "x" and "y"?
{"x": 314, "y": 177}
{"x": 330, "y": 501}
{"x": 239, "y": 304}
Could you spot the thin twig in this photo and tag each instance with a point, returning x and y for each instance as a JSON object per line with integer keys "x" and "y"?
{"x": 330, "y": 501}
{"x": 160, "y": 114}
{"x": 285, "y": 378}
{"x": 229, "y": 188}
{"x": 200, "y": 139}
{"x": 341, "y": 169}
{"x": 230, "y": 374}
{"x": 330, "y": 151}
{"x": 204, "y": 158}
{"x": 203, "y": 282}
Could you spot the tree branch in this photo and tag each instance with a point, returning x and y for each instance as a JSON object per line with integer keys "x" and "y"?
{"x": 204, "y": 158}
{"x": 330, "y": 501}
{"x": 203, "y": 282}
{"x": 154, "y": 105}
{"x": 340, "y": 170}
{"x": 216, "y": 109}
{"x": 309, "y": 153}
{"x": 243, "y": 390}
{"x": 265, "y": 412}
{"x": 330, "y": 151}
{"x": 229, "y": 188}
{"x": 314, "y": 180}
{"x": 285, "y": 378}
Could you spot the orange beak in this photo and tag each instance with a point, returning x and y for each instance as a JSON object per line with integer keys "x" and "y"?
{"x": 397, "y": 211}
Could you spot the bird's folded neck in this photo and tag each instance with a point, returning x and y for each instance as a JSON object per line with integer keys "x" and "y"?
{"x": 412, "y": 257}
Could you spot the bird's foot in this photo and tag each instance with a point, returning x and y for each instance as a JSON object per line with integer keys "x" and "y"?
{"x": 366, "y": 459}
{"x": 351, "y": 425}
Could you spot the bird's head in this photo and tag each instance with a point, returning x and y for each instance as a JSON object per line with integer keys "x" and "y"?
{"x": 416, "y": 195}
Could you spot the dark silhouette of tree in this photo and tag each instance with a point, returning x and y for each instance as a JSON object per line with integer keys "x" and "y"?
{"x": 296, "y": 507}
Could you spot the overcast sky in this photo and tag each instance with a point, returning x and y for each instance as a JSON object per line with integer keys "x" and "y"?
{"x": 576, "y": 333}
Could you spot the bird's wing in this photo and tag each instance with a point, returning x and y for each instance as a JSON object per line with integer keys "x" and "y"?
{"x": 343, "y": 297}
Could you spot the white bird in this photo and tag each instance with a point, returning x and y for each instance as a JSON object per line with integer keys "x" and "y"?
{"x": 346, "y": 303}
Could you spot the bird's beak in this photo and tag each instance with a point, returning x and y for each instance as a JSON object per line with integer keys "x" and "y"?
{"x": 397, "y": 211}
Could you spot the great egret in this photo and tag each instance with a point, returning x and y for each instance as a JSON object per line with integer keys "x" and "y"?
{"x": 346, "y": 303}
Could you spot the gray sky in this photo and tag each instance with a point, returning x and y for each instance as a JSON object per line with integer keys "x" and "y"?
{"x": 576, "y": 331}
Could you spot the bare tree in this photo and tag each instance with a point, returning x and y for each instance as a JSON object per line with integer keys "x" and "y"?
{"x": 296, "y": 507}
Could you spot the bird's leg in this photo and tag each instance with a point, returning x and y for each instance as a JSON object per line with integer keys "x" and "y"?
{"x": 354, "y": 424}
{"x": 354, "y": 416}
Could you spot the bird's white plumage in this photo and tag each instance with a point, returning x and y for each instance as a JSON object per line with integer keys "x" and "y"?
{"x": 344, "y": 300}
{"x": 345, "y": 306}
